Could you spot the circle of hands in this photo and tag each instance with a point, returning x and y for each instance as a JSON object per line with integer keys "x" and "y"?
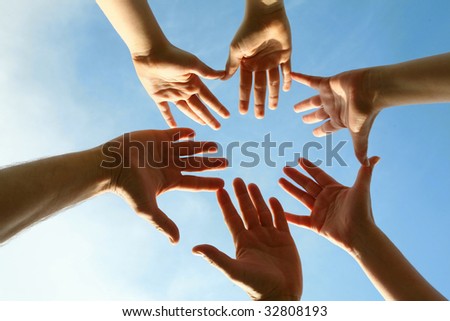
{"x": 267, "y": 265}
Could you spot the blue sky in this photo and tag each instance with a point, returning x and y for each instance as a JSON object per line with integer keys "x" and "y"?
{"x": 67, "y": 83}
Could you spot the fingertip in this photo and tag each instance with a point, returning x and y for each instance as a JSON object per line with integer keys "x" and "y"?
{"x": 374, "y": 160}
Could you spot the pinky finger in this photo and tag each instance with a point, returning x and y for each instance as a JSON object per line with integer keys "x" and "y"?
{"x": 166, "y": 113}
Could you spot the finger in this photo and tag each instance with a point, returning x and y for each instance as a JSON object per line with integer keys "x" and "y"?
{"x": 278, "y": 214}
{"x": 151, "y": 213}
{"x": 175, "y": 134}
{"x": 185, "y": 109}
{"x": 203, "y": 70}
{"x": 260, "y": 93}
{"x": 218, "y": 259}
{"x": 325, "y": 129}
{"x": 192, "y": 183}
{"x": 265, "y": 218}
{"x": 316, "y": 116}
{"x": 287, "y": 78}
{"x": 166, "y": 113}
{"x": 308, "y": 184}
{"x": 200, "y": 109}
{"x": 297, "y": 193}
{"x": 207, "y": 96}
{"x": 230, "y": 215}
{"x": 193, "y": 147}
{"x": 361, "y": 145}
{"x": 274, "y": 87}
{"x": 233, "y": 63}
{"x": 248, "y": 210}
{"x": 307, "y": 80}
{"x": 318, "y": 174}
{"x": 300, "y": 220}
{"x": 245, "y": 87}
{"x": 201, "y": 164}
{"x": 365, "y": 174}
{"x": 307, "y": 104}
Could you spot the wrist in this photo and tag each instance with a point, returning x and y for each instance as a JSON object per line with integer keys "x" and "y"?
{"x": 364, "y": 241}
{"x": 379, "y": 82}
{"x": 158, "y": 44}
{"x": 107, "y": 163}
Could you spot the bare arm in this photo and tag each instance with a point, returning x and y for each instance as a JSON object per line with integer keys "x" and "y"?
{"x": 31, "y": 192}
{"x": 389, "y": 271}
{"x": 419, "y": 81}
{"x": 135, "y": 23}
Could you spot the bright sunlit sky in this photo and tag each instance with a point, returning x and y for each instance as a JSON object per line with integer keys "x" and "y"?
{"x": 67, "y": 84}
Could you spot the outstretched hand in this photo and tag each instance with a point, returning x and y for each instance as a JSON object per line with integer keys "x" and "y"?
{"x": 339, "y": 213}
{"x": 260, "y": 47}
{"x": 170, "y": 74}
{"x": 344, "y": 101}
{"x": 267, "y": 264}
{"x": 148, "y": 163}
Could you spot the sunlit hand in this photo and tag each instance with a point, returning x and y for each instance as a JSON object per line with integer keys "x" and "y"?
{"x": 267, "y": 264}
{"x": 339, "y": 213}
{"x": 344, "y": 101}
{"x": 147, "y": 163}
{"x": 260, "y": 47}
{"x": 170, "y": 74}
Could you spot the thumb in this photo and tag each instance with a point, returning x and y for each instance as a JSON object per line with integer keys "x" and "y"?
{"x": 360, "y": 144}
{"x": 217, "y": 258}
{"x": 233, "y": 63}
{"x": 203, "y": 70}
{"x": 365, "y": 173}
{"x": 160, "y": 220}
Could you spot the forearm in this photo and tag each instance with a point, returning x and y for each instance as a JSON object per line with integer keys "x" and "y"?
{"x": 390, "y": 272}
{"x": 420, "y": 81}
{"x": 31, "y": 192}
{"x": 135, "y": 23}
{"x": 262, "y": 6}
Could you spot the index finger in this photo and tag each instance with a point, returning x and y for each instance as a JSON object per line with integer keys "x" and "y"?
{"x": 318, "y": 174}
{"x": 307, "y": 80}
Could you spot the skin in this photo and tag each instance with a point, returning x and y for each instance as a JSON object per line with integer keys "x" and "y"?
{"x": 261, "y": 48}
{"x": 168, "y": 74}
{"x": 344, "y": 216}
{"x": 267, "y": 265}
{"x": 353, "y": 99}
{"x": 34, "y": 191}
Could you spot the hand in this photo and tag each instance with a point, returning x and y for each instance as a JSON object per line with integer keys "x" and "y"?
{"x": 267, "y": 264}
{"x": 261, "y": 46}
{"x": 344, "y": 100}
{"x": 339, "y": 213}
{"x": 170, "y": 74}
{"x": 147, "y": 163}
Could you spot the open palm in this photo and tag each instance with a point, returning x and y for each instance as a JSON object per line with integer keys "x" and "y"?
{"x": 344, "y": 101}
{"x": 172, "y": 75}
{"x": 152, "y": 162}
{"x": 338, "y": 212}
{"x": 267, "y": 265}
